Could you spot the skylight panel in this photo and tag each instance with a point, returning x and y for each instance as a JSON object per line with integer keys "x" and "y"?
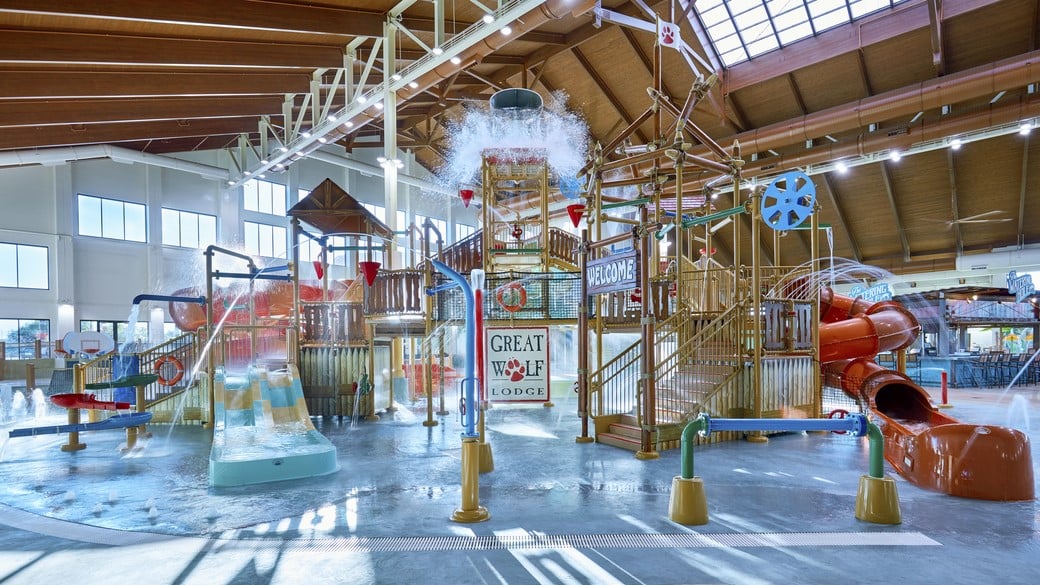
{"x": 765, "y": 25}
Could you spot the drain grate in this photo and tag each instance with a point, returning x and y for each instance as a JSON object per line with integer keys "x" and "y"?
{"x": 597, "y": 541}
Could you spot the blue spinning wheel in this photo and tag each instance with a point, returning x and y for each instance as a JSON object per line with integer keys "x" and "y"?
{"x": 788, "y": 200}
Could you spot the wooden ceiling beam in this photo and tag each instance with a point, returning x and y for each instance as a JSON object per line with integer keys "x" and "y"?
{"x": 935, "y": 17}
{"x": 33, "y": 137}
{"x": 839, "y": 211}
{"x": 420, "y": 24}
{"x": 25, "y": 46}
{"x": 1023, "y": 190}
{"x": 33, "y": 113}
{"x": 256, "y": 15}
{"x": 954, "y": 203}
{"x": 843, "y": 40}
{"x": 48, "y": 85}
{"x": 887, "y": 180}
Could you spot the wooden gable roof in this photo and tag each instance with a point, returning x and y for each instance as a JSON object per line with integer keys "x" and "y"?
{"x": 332, "y": 210}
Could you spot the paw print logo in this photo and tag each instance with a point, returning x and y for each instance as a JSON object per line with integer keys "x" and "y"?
{"x": 667, "y": 35}
{"x": 514, "y": 370}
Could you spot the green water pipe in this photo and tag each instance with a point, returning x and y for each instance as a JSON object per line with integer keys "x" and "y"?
{"x": 688, "y": 433}
{"x": 688, "y": 223}
{"x": 632, "y": 203}
{"x": 877, "y": 450}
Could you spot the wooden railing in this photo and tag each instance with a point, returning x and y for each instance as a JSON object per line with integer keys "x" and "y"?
{"x": 333, "y": 323}
{"x": 396, "y": 292}
{"x": 465, "y": 254}
{"x": 563, "y": 246}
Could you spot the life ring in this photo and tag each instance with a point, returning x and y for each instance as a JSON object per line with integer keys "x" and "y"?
{"x": 178, "y": 368}
{"x": 512, "y": 297}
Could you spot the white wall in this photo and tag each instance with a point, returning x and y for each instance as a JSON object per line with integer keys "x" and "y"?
{"x": 100, "y": 277}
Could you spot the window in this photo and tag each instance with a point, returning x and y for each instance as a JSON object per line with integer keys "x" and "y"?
{"x": 187, "y": 229}
{"x": 23, "y": 266}
{"x": 440, "y": 224}
{"x": 743, "y": 29}
{"x": 119, "y": 331}
{"x": 376, "y": 210}
{"x": 310, "y": 250}
{"x": 262, "y": 239}
{"x": 302, "y": 194}
{"x": 463, "y": 231}
{"x": 21, "y": 336}
{"x": 113, "y": 219}
{"x": 264, "y": 197}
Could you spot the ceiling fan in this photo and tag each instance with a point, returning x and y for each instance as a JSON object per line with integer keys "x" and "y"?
{"x": 977, "y": 218}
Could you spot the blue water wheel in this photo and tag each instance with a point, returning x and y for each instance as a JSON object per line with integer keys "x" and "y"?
{"x": 788, "y": 200}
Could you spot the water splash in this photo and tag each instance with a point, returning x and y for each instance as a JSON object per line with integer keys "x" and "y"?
{"x": 562, "y": 134}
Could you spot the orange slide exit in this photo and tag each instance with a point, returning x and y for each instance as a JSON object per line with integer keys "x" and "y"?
{"x": 926, "y": 447}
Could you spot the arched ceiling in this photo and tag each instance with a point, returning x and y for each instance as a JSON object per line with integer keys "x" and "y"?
{"x": 197, "y": 75}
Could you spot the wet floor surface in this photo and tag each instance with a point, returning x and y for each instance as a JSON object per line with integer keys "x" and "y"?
{"x": 561, "y": 512}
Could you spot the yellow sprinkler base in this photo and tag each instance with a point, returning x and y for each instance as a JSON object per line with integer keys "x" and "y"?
{"x": 429, "y": 423}
{"x": 647, "y": 455}
{"x": 584, "y": 439}
{"x": 877, "y": 500}
{"x": 470, "y": 516}
{"x": 548, "y": 404}
{"x": 372, "y": 418}
{"x": 757, "y": 438}
{"x": 487, "y": 458}
{"x": 944, "y": 406}
{"x": 688, "y": 505}
{"x": 70, "y": 447}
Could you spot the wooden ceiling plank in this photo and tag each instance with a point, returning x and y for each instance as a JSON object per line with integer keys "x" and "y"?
{"x": 24, "y": 46}
{"x": 421, "y": 24}
{"x": 33, "y": 137}
{"x": 843, "y": 40}
{"x": 236, "y": 14}
{"x": 33, "y": 113}
{"x": 46, "y": 85}
{"x": 887, "y": 180}
{"x": 607, "y": 92}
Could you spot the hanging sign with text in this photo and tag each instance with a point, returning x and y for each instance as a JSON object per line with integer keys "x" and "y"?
{"x": 517, "y": 361}
{"x": 617, "y": 272}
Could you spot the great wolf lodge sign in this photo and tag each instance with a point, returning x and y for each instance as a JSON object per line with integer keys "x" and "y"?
{"x": 517, "y": 364}
{"x": 612, "y": 273}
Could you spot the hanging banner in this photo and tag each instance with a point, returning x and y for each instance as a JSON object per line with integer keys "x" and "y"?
{"x": 616, "y": 272}
{"x": 517, "y": 361}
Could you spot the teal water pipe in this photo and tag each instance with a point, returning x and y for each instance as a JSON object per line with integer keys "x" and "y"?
{"x": 856, "y": 424}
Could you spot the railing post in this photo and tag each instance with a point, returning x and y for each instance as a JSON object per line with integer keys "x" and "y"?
{"x": 583, "y": 339}
{"x": 30, "y": 377}
{"x": 646, "y": 370}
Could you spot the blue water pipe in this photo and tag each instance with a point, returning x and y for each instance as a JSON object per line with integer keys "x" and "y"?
{"x": 147, "y": 297}
{"x": 468, "y": 382}
{"x": 267, "y": 269}
{"x": 856, "y": 424}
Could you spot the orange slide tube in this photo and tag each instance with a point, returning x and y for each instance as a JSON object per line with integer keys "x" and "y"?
{"x": 928, "y": 448}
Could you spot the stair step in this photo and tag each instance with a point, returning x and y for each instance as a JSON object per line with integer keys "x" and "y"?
{"x": 618, "y": 441}
{"x": 623, "y": 430}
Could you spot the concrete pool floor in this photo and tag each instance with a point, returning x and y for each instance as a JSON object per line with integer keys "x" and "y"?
{"x": 561, "y": 512}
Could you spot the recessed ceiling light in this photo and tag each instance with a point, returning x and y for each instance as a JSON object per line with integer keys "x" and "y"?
{"x": 488, "y": 19}
{"x": 455, "y": 60}
{"x": 247, "y": 173}
{"x": 264, "y": 161}
{"x": 379, "y": 105}
{"x": 955, "y": 144}
{"x": 305, "y": 134}
{"x": 1024, "y": 128}
{"x": 396, "y": 77}
{"x": 283, "y": 149}
{"x": 437, "y": 50}
{"x": 348, "y": 124}
{"x": 361, "y": 99}
{"x": 506, "y": 30}
{"x": 842, "y": 167}
{"x": 332, "y": 117}
{"x": 413, "y": 84}
{"x": 895, "y": 155}
{"x": 322, "y": 139}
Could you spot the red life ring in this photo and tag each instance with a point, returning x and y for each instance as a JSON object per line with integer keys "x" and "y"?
{"x": 838, "y": 413}
{"x": 177, "y": 366}
{"x": 512, "y": 297}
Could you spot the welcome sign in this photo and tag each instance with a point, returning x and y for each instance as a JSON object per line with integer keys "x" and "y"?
{"x": 517, "y": 364}
{"x": 618, "y": 272}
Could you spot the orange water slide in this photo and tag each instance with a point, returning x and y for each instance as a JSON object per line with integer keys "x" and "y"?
{"x": 273, "y": 301}
{"x": 925, "y": 446}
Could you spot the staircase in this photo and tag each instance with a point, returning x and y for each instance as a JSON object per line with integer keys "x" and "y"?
{"x": 701, "y": 358}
